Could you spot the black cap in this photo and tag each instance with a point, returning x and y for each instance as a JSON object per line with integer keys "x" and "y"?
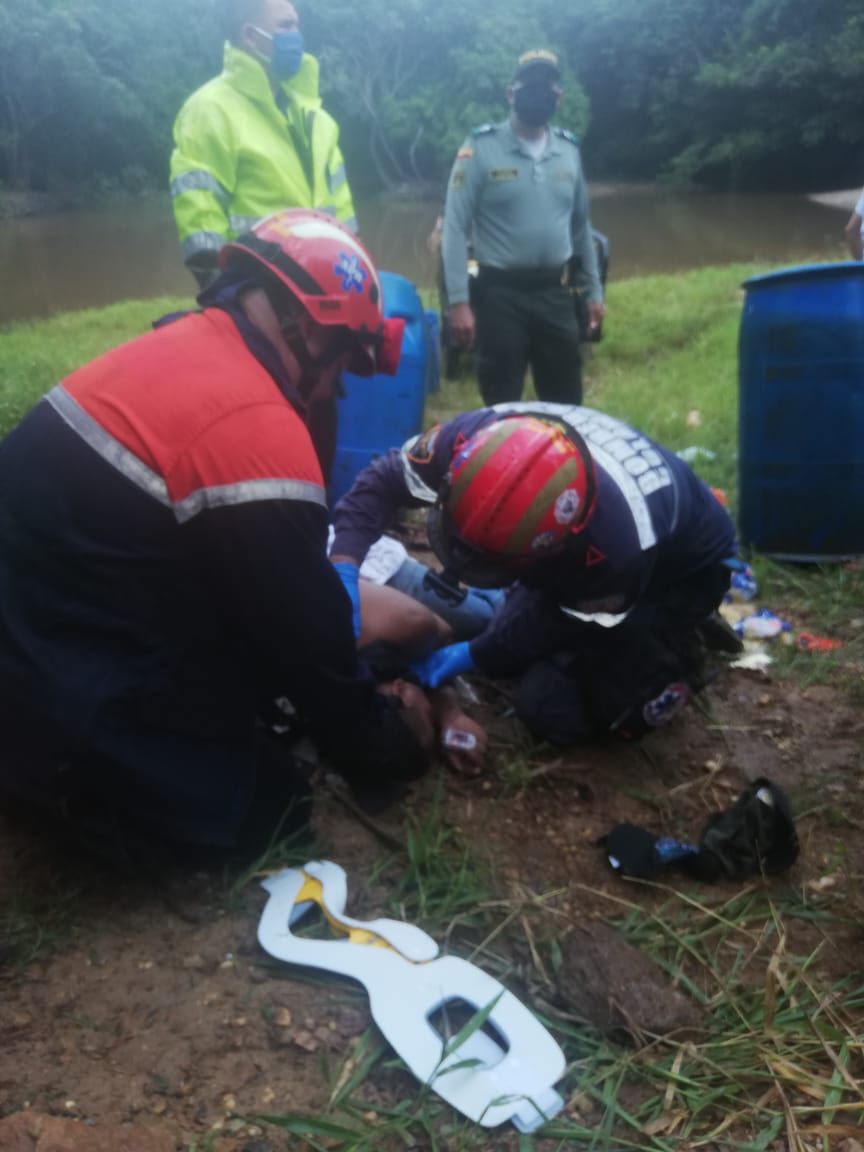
{"x": 537, "y": 64}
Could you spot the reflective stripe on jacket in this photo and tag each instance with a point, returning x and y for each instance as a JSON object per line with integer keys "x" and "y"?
{"x": 238, "y": 157}
{"x": 217, "y": 432}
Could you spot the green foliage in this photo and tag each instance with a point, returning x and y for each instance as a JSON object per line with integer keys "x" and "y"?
{"x": 441, "y": 880}
{"x": 671, "y": 350}
{"x": 735, "y": 91}
{"x": 777, "y": 89}
{"x": 36, "y": 916}
{"x": 726, "y": 91}
{"x": 408, "y": 83}
{"x": 90, "y": 87}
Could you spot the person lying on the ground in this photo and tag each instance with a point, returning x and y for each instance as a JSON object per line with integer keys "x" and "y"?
{"x": 618, "y": 550}
{"x": 163, "y": 557}
{"x": 396, "y": 631}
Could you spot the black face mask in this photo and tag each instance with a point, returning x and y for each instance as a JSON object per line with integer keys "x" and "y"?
{"x": 535, "y": 104}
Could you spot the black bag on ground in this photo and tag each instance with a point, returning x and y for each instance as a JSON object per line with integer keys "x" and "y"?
{"x": 756, "y": 834}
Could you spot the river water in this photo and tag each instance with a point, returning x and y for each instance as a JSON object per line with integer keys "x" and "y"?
{"x": 88, "y": 259}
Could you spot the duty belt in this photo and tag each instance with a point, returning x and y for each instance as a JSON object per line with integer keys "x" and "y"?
{"x": 553, "y": 276}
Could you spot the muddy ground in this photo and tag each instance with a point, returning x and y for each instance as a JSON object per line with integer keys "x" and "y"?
{"x": 149, "y": 1003}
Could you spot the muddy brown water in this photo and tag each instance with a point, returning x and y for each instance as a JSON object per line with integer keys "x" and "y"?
{"x": 85, "y": 259}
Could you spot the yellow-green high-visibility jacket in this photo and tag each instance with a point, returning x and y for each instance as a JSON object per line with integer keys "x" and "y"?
{"x": 240, "y": 154}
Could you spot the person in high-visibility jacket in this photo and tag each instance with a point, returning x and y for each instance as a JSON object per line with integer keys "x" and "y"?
{"x": 163, "y": 566}
{"x": 254, "y": 139}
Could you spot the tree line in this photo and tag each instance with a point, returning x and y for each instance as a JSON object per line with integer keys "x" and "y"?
{"x": 728, "y": 93}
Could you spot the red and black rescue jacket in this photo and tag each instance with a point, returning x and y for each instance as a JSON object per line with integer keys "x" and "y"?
{"x": 163, "y": 570}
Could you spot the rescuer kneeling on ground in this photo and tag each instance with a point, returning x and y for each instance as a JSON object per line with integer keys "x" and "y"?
{"x": 163, "y": 565}
{"x": 616, "y": 548}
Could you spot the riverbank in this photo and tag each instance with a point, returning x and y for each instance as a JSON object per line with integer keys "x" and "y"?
{"x": 845, "y": 199}
{"x": 19, "y": 204}
{"x": 92, "y": 256}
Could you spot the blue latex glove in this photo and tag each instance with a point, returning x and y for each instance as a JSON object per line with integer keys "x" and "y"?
{"x": 444, "y": 664}
{"x": 349, "y": 574}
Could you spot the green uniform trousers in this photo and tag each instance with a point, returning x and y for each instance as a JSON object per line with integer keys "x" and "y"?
{"x": 526, "y": 317}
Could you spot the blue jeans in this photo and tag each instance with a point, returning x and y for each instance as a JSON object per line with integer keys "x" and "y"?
{"x": 468, "y": 618}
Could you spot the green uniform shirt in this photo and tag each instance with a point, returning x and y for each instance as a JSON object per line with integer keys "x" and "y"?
{"x": 517, "y": 212}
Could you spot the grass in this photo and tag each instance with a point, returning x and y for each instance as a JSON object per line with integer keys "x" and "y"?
{"x": 669, "y": 349}
{"x": 779, "y": 1057}
{"x": 36, "y": 915}
{"x": 780, "y": 1061}
{"x": 782, "y": 1051}
{"x": 440, "y": 879}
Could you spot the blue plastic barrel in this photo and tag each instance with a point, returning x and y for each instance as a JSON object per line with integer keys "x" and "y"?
{"x": 382, "y": 412}
{"x": 801, "y": 413}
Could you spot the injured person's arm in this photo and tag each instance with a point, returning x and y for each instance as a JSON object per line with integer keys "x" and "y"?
{"x": 391, "y": 618}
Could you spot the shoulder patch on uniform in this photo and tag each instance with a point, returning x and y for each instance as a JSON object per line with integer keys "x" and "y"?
{"x": 484, "y": 130}
{"x": 565, "y": 134}
{"x": 420, "y": 451}
{"x": 464, "y": 154}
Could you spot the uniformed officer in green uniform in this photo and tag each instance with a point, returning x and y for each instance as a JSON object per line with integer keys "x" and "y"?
{"x": 517, "y": 193}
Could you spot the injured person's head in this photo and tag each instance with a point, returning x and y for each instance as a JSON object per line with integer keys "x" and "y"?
{"x": 416, "y": 709}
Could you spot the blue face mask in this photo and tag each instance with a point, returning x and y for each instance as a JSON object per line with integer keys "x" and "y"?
{"x": 287, "y": 54}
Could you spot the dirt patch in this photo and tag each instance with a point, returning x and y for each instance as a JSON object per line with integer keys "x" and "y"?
{"x": 152, "y": 1005}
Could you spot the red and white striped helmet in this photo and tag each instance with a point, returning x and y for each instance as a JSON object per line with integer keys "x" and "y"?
{"x": 329, "y": 271}
{"x": 516, "y": 492}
